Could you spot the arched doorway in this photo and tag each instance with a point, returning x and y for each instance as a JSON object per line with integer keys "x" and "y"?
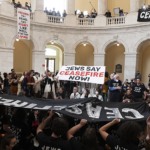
{"x": 23, "y": 55}
{"x": 84, "y": 54}
{"x": 114, "y": 58}
{"x": 143, "y": 60}
{"x": 54, "y": 56}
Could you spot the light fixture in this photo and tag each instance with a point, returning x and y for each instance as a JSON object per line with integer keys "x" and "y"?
{"x": 118, "y": 44}
{"x": 84, "y": 44}
{"x": 17, "y": 39}
{"x": 52, "y": 42}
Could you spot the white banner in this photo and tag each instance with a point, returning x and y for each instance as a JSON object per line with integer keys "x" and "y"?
{"x": 23, "y": 24}
{"x": 89, "y": 74}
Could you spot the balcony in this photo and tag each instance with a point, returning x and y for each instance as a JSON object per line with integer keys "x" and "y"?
{"x": 116, "y": 20}
{"x": 73, "y": 21}
{"x": 55, "y": 19}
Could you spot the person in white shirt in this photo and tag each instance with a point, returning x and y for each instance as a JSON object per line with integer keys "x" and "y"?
{"x": 75, "y": 94}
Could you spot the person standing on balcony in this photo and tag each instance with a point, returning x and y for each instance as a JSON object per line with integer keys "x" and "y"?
{"x": 64, "y": 13}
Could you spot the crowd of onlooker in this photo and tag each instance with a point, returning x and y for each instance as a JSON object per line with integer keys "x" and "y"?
{"x": 55, "y": 13}
{"x": 81, "y": 14}
{"x": 19, "y": 5}
{"x": 23, "y": 129}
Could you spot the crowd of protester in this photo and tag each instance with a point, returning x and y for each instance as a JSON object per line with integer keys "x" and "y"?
{"x": 47, "y": 85}
{"x": 23, "y": 129}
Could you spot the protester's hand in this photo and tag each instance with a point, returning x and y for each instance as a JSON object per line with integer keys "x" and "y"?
{"x": 116, "y": 121}
{"x": 118, "y": 87}
{"x": 83, "y": 122}
{"x": 148, "y": 121}
{"x": 50, "y": 113}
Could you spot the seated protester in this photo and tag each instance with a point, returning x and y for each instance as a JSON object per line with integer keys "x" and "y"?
{"x": 88, "y": 140}
{"x": 128, "y": 97}
{"x": 85, "y": 93}
{"x": 127, "y": 137}
{"x": 75, "y": 94}
{"x": 139, "y": 91}
{"x": 58, "y": 129}
{"x": 8, "y": 142}
{"x": 97, "y": 95}
{"x": 60, "y": 94}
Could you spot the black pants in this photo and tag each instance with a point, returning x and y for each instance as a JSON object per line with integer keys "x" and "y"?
{"x": 115, "y": 96}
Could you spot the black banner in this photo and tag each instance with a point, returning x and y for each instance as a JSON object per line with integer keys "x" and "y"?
{"x": 91, "y": 109}
{"x": 143, "y": 15}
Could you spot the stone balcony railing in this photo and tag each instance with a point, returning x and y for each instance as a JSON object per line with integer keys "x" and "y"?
{"x": 116, "y": 20}
{"x": 55, "y": 19}
{"x": 85, "y": 21}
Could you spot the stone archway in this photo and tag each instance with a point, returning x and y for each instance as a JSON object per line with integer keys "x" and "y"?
{"x": 84, "y": 54}
{"x": 114, "y": 57}
{"x": 143, "y": 60}
{"x": 54, "y": 56}
{"x": 23, "y": 55}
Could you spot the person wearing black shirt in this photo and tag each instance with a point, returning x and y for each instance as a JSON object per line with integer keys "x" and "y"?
{"x": 127, "y": 137}
{"x": 58, "y": 129}
{"x": 138, "y": 91}
{"x": 88, "y": 140}
{"x": 115, "y": 89}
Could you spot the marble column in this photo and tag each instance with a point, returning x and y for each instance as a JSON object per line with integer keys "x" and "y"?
{"x": 6, "y": 59}
{"x": 7, "y": 8}
{"x": 130, "y": 65}
{"x": 102, "y": 7}
{"x": 71, "y": 7}
{"x": 38, "y": 61}
{"x": 69, "y": 58}
{"x": 39, "y": 15}
{"x": 134, "y": 6}
{"x": 1, "y": 1}
{"x": 99, "y": 59}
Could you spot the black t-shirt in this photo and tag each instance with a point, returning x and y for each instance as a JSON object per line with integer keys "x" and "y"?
{"x": 51, "y": 143}
{"x": 114, "y": 84}
{"x": 114, "y": 143}
{"x": 138, "y": 90}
